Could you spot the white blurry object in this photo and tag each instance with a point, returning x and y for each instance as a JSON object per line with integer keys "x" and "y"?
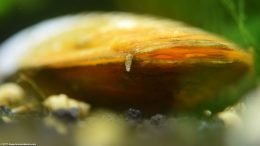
{"x": 12, "y": 50}
{"x": 248, "y": 134}
{"x": 63, "y": 102}
{"x": 230, "y": 118}
{"x": 10, "y": 94}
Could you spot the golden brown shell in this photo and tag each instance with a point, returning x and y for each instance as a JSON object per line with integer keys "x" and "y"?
{"x": 128, "y": 60}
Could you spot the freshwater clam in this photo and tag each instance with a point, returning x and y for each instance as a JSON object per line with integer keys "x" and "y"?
{"x": 127, "y": 60}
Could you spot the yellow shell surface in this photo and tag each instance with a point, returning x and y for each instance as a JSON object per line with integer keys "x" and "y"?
{"x": 130, "y": 60}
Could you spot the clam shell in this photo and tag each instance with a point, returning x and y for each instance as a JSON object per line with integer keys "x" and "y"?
{"x": 127, "y": 60}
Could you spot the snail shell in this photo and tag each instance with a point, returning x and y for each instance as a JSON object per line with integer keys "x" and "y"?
{"x": 127, "y": 60}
